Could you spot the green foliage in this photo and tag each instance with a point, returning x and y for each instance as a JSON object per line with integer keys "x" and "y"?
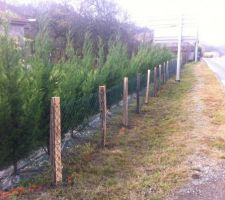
{"x": 78, "y": 84}
{"x": 43, "y": 82}
{"x": 116, "y": 65}
{"x": 148, "y": 57}
{"x": 69, "y": 46}
{"x": 101, "y": 53}
{"x": 27, "y": 87}
{"x": 43, "y": 44}
{"x": 13, "y": 131}
{"x": 87, "y": 52}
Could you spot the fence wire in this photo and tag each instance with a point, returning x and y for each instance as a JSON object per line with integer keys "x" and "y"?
{"x": 80, "y": 117}
{"x": 77, "y": 113}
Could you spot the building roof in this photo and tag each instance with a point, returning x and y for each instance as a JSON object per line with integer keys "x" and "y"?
{"x": 12, "y": 16}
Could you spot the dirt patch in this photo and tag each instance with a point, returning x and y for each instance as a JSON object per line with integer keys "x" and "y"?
{"x": 206, "y": 168}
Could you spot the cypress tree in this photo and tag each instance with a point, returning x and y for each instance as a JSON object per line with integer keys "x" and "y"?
{"x": 13, "y": 133}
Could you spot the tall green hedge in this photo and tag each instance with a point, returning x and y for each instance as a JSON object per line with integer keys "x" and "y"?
{"x": 26, "y": 86}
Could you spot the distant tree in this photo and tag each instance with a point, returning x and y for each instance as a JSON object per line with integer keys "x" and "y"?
{"x": 74, "y": 52}
{"x": 15, "y": 141}
{"x": 101, "y": 18}
{"x": 42, "y": 81}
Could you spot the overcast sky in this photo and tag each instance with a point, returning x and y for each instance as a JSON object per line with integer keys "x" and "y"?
{"x": 210, "y": 15}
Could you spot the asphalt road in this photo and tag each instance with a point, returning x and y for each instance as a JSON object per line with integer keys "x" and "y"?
{"x": 217, "y": 65}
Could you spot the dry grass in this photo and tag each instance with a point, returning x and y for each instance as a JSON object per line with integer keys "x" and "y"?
{"x": 212, "y": 95}
{"x": 143, "y": 162}
{"x": 205, "y": 106}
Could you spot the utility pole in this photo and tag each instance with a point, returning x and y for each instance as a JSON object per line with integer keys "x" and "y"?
{"x": 179, "y": 49}
{"x": 196, "y": 45}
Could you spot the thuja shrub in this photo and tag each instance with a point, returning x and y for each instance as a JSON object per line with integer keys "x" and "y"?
{"x": 28, "y": 85}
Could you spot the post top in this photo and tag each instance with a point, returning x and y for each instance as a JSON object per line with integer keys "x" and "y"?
{"x": 55, "y": 99}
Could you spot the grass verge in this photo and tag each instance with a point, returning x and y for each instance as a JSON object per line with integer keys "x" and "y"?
{"x": 142, "y": 162}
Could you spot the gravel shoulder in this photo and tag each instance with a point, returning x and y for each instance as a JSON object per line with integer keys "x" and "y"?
{"x": 206, "y": 110}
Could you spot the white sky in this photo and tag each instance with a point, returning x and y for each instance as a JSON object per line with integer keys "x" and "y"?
{"x": 210, "y": 15}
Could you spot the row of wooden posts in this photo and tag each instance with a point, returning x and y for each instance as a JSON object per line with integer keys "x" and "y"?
{"x": 55, "y": 115}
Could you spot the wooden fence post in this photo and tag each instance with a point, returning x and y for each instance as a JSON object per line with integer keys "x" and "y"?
{"x": 138, "y": 92}
{"x": 147, "y": 87}
{"x": 167, "y": 70}
{"x": 102, "y": 107}
{"x": 55, "y": 141}
{"x": 164, "y": 73}
{"x": 125, "y": 101}
{"x": 155, "y": 82}
{"x": 160, "y": 76}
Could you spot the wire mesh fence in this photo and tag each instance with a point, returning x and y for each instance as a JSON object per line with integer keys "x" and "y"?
{"x": 76, "y": 112}
{"x": 94, "y": 109}
{"x": 79, "y": 113}
{"x": 80, "y": 118}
